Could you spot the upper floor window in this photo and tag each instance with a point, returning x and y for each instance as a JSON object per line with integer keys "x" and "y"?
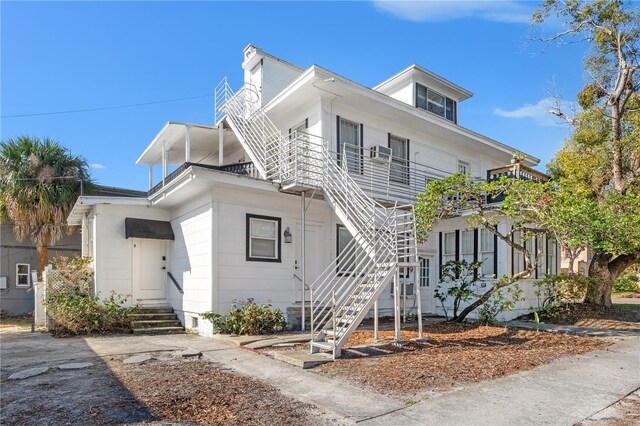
{"x": 436, "y": 103}
{"x": 463, "y": 168}
{"x": 350, "y": 144}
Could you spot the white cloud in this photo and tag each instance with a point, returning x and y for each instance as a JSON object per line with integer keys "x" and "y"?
{"x": 539, "y": 112}
{"x": 436, "y": 10}
{"x": 97, "y": 166}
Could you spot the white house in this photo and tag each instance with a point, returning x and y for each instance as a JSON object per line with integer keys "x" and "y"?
{"x": 297, "y": 149}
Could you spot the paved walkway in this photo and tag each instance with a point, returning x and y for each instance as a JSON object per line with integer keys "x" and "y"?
{"x": 563, "y": 392}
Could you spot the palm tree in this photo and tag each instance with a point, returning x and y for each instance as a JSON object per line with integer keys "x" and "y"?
{"x": 39, "y": 184}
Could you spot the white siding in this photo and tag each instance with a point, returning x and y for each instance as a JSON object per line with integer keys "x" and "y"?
{"x": 404, "y": 93}
{"x": 190, "y": 260}
{"x": 113, "y": 252}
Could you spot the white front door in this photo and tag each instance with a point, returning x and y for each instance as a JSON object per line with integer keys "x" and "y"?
{"x": 426, "y": 279}
{"x": 314, "y": 262}
{"x": 149, "y": 271}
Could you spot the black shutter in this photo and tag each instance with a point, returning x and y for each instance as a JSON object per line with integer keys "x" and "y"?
{"x": 475, "y": 252}
{"x": 338, "y": 138}
{"x": 495, "y": 255}
{"x": 306, "y": 123}
{"x": 408, "y": 162}
{"x": 361, "y": 148}
{"x": 535, "y": 250}
{"x": 440, "y": 256}
{"x": 457, "y": 248}
{"x": 513, "y": 266}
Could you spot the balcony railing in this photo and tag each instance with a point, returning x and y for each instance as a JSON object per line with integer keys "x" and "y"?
{"x": 387, "y": 179}
{"x": 242, "y": 169}
{"x": 517, "y": 171}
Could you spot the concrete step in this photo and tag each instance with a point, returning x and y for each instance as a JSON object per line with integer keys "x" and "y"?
{"x": 158, "y": 330}
{"x": 154, "y": 310}
{"x": 156, "y": 323}
{"x": 325, "y": 346}
{"x": 152, "y": 317}
{"x": 303, "y": 359}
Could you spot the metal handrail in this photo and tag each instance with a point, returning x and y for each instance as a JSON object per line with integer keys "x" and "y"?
{"x": 175, "y": 283}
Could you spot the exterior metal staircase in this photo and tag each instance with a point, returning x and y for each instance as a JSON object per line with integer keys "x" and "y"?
{"x": 384, "y": 238}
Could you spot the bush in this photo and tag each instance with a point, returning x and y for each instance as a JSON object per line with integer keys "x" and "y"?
{"x": 247, "y": 318}
{"x": 72, "y": 306}
{"x": 497, "y": 303}
{"x": 627, "y": 281}
{"x": 556, "y": 293}
{"x": 77, "y": 313}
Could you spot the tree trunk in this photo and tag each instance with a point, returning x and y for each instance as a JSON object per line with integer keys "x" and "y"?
{"x": 604, "y": 267}
{"x": 43, "y": 257}
{"x": 466, "y": 311}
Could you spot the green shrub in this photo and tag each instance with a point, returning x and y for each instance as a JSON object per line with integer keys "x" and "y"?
{"x": 247, "y": 318}
{"x": 627, "y": 281}
{"x": 556, "y": 293}
{"x": 497, "y": 303}
{"x": 78, "y": 313}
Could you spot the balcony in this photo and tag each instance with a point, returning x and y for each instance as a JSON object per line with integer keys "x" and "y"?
{"x": 517, "y": 171}
{"x": 242, "y": 169}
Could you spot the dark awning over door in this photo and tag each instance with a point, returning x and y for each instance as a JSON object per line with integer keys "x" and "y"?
{"x": 144, "y": 228}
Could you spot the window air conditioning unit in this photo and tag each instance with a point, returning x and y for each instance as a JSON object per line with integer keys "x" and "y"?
{"x": 409, "y": 289}
{"x": 380, "y": 154}
{"x": 3, "y": 283}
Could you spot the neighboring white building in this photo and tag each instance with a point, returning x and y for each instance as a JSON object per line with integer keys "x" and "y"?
{"x": 296, "y": 146}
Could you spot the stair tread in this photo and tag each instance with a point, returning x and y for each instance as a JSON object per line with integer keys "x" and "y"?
{"x": 323, "y": 345}
{"x": 150, "y": 330}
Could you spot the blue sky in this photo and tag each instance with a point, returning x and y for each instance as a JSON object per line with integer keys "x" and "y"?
{"x": 82, "y": 55}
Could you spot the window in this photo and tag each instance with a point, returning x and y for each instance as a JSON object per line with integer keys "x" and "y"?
{"x": 425, "y": 271}
{"x": 487, "y": 253}
{"x": 449, "y": 247}
{"x": 552, "y": 267}
{"x": 518, "y": 255}
{"x": 263, "y": 238}
{"x": 346, "y": 264}
{"x": 467, "y": 245}
{"x": 349, "y": 144}
{"x": 435, "y": 103}
{"x": 463, "y": 168}
{"x": 22, "y": 274}
{"x": 399, "y": 168}
{"x": 539, "y": 255}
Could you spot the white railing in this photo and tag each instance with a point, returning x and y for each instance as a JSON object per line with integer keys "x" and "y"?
{"x": 383, "y": 238}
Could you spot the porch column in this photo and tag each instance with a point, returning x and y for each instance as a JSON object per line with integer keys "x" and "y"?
{"x": 419, "y": 301}
{"x": 187, "y": 145}
{"x": 221, "y": 143}
{"x": 150, "y": 176}
{"x": 396, "y": 303}
{"x": 302, "y": 253}
{"x": 164, "y": 161}
{"x": 375, "y": 319}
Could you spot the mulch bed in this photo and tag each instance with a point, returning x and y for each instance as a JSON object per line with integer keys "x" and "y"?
{"x": 202, "y": 393}
{"x": 456, "y": 355}
{"x": 594, "y": 316}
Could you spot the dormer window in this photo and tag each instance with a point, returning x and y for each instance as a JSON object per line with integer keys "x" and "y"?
{"x": 436, "y": 103}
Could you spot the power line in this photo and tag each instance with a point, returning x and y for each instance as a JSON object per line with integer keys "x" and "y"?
{"x": 105, "y": 108}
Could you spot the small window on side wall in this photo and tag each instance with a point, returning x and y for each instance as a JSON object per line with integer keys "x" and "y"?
{"x": 22, "y": 274}
{"x": 263, "y": 238}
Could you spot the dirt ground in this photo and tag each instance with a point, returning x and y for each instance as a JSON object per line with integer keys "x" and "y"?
{"x": 624, "y": 413}
{"x": 454, "y": 356}
{"x": 213, "y": 396}
{"x": 166, "y": 390}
